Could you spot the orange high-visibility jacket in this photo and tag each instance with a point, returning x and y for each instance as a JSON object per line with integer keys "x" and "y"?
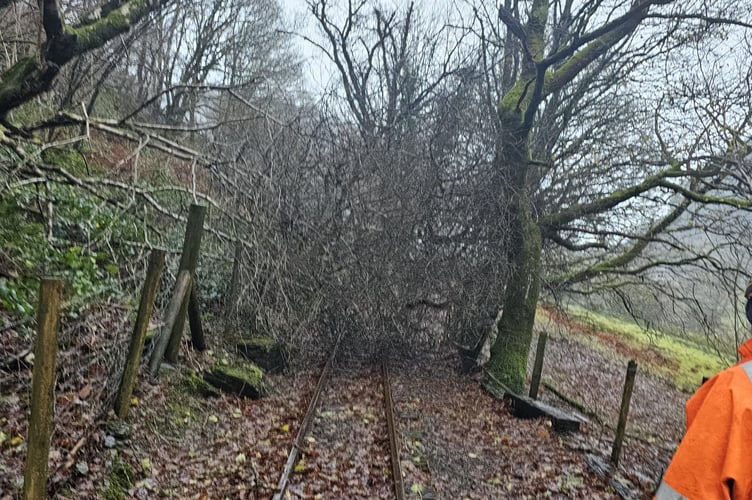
{"x": 714, "y": 460}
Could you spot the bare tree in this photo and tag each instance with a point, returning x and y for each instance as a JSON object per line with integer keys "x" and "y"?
{"x": 407, "y": 175}
{"x": 586, "y": 179}
{"x": 34, "y": 74}
{"x": 238, "y": 45}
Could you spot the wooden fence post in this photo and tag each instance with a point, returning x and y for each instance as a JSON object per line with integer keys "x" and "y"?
{"x": 42, "y": 390}
{"x": 232, "y": 293}
{"x": 145, "y": 309}
{"x": 188, "y": 261}
{"x": 179, "y": 294}
{"x": 538, "y": 366}
{"x": 624, "y": 412}
{"x": 194, "y": 320}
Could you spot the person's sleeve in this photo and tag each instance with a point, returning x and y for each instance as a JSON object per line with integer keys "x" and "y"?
{"x": 698, "y": 468}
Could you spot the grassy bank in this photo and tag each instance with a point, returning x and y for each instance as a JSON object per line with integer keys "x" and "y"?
{"x": 684, "y": 361}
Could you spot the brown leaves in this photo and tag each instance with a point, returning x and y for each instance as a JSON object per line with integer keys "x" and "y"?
{"x": 83, "y": 376}
{"x": 347, "y": 450}
{"x": 463, "y": 444}
{"x": 456, "y": 441}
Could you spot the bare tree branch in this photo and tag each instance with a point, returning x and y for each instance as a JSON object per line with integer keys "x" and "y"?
{"x": 32, "y": 76}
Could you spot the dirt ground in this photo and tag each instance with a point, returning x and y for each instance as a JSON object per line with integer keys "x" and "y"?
{"x": 456, "y": 441}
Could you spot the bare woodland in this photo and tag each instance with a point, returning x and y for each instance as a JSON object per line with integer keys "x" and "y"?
{"x": 460, "y": 165}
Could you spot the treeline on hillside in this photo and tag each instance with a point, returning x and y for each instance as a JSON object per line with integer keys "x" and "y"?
{"x": 457, "y": 162}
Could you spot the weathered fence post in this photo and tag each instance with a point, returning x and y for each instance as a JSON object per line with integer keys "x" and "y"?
{"x": 188, "y": 261}
{"x": 624, "y": 412}
{"x": 538, "y": 366}
{"x": 42, "y": 390}
{"x": 145, "y": 309}
{"x": 194, "y": 320}
{"x": 232, "y": 293}
{"x": 179, "y": 295}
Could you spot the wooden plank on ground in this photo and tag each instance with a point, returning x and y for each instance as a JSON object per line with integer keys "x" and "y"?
{"x": 525, "y": 407}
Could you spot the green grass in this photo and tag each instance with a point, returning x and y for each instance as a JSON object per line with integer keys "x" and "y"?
{"x": 687, "y": 359}
{"x": 122, "y": 475}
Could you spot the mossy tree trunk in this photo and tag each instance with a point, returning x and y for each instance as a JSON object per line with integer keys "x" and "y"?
{"x": 508, "y": 361}
{"x": 32, "y": 76}
{"x": 540, "y": 75}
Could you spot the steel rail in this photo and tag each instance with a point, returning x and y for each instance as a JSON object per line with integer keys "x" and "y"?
{"x": 305, "y": 424}
{"x": 298, "y": 445}
{"x": 399, "y": 487}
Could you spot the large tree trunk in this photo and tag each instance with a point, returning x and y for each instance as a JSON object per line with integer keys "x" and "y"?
{"x": 517, "y": 109}
{"x": 508, "y": 362}
{"x": 517, "y": 113}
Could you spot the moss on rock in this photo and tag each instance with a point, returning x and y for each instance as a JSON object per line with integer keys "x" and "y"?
{"x": 193, "y": 383}
{"x": 243, "y": 379}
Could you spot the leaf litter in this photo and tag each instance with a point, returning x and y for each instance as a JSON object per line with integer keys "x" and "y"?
{"x": 456, "y": 441}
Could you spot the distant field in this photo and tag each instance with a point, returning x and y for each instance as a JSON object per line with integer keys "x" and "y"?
{"x": 682, "y": 361}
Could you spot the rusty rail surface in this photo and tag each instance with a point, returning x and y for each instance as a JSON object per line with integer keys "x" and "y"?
{"x": 305, "y": 425}
{"x": 399, "y": 487}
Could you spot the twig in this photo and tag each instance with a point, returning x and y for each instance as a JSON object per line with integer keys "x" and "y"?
{"x": 72, "y": 453}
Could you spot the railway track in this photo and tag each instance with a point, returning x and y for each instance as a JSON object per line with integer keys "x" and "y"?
{"x": 338, "y": 415}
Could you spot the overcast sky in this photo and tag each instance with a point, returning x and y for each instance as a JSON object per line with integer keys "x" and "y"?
{"x": 317, "y": 71}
